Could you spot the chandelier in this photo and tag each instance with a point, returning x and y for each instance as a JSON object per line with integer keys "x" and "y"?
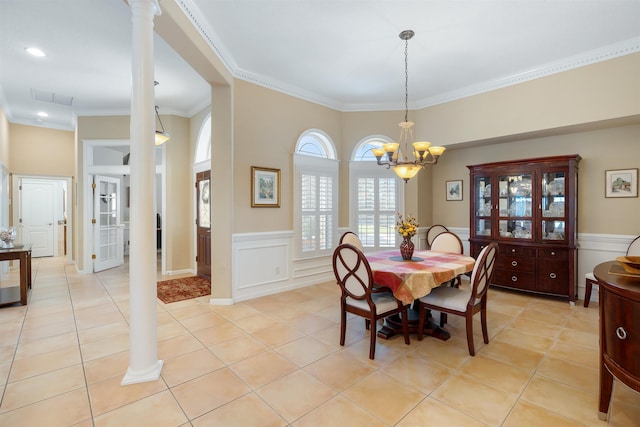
{"x": 406, "y": 161}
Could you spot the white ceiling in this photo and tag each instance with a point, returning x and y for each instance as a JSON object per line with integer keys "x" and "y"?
{"x": 345, "y": 54}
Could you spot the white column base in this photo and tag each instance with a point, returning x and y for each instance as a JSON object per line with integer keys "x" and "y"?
{"x": 134, "y": 377}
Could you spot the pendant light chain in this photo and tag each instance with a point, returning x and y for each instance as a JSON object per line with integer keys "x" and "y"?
{"x": 406, "y": 79}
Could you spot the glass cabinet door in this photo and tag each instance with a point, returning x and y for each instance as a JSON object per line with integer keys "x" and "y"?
{"x": 515, "y": 206}
{"x": 482, "y": 205}
{"x": 552, "y": 205}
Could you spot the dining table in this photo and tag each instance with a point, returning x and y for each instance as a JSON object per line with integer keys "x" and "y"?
{"x": 412, "y": 279}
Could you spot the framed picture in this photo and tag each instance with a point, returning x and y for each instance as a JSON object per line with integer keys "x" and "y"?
{"x": 454, "y": 190}
{"x": 265, "y": 187}
{"x": 621, "y": 183}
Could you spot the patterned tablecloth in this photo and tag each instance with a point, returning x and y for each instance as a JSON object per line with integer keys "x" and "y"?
{"x": 410, "y": 280}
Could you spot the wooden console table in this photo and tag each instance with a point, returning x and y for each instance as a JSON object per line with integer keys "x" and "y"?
{"x": 619, "y": 330}
{"x": 16, "y": 294}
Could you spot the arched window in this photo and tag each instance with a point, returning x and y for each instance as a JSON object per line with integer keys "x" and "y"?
{"x": 203, "y": 144}
{"x": 376, "y": 196}
{"x": 316, "y": 193}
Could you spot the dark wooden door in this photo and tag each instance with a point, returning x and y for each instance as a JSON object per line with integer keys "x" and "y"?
{"x": 203, "y": 223}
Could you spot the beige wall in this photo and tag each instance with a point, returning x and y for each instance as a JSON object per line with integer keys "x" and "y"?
{"x": 267, "y": 125}
{"x": 604, "y": 149}
{"x": 543, "y": 117}
{"x": 600, "y": 92}
{"x": 41, "y": 151}
{"x": 180, "y": 196}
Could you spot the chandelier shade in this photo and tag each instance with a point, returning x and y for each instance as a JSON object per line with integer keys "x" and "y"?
{"x": 407, "y": 157}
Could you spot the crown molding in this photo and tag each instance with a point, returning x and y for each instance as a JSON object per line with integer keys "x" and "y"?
{"x": 626, "y": 47}
{"x": 605, "y": 53}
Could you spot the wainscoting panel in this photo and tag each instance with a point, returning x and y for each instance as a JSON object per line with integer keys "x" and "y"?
{"x": 263, "y": 264}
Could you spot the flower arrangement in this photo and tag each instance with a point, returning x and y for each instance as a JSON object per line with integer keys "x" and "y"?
{"x": 407, "y": 227}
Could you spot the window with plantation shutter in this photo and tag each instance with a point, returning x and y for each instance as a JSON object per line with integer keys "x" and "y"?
{"x": 376, "y": 193}
{"x": 316, "y": 192}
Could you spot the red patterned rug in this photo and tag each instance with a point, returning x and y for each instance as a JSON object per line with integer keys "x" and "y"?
{"x": 185, "y": 288}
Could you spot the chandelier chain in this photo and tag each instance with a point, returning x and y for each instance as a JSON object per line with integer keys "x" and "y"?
{"x": 406, "y": 80}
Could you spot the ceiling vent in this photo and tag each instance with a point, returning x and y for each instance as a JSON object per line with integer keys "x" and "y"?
{"x": 41, "y": 95}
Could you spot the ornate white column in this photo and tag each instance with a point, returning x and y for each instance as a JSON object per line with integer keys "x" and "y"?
{"x": 143, "y": 320}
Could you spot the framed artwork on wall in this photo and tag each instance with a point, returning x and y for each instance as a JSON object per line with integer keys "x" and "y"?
{"x": 621, "y": 183}
{"x": 265, "y": 187}
{"x": 454, "y": 190}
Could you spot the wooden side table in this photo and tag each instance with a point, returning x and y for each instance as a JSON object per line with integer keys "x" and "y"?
{"x": 619, "y": 330}
{"x": 16, "y": 294}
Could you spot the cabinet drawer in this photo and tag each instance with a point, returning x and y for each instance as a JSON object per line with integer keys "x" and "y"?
{"x": 553, "y": 254}
{"x": 476, "y": 248}
{"x": 621, "y": 329}
{"x": 524, "y": 265}
{"x": 515, "y": 279}
{"x": 521, "y": 251}
{"x": 553, "y": 277}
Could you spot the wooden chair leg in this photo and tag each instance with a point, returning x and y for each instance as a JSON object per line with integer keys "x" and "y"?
{"x": 372, "y": 344}
{"x": 405, "y": 325}
{"x": 343, "y": 327}
{"x": 443, "y": 319}
{"x": 483, "y": 321}
{"x": 588, "y": 283}
{"x": 469, "y": 321}
{"x": 422, "y": 314}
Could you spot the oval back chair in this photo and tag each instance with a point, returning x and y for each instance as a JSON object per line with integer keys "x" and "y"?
{"x": 353, "y": 239}
{"x": 433, "y": 231}
{"x": 360, "y": 297}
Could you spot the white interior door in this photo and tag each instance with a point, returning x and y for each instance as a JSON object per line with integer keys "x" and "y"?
{"x": 107, "y": 227}
{"x": 37, "y": 216}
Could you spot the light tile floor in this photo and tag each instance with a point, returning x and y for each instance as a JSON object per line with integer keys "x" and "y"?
{"x": 275, "y": 361}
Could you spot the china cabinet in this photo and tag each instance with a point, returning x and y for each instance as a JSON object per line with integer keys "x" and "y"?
{"x": 529, "y": 207}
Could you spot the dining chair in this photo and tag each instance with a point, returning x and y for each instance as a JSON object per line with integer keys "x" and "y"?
{"x": 433, "y": 231}
{"x": 464, "y": 302}
{"x": 353, "y": 239}
{"x": 589, "y": 279}
{"x": 448, "y": 242}
{"x": 360, "y": 297}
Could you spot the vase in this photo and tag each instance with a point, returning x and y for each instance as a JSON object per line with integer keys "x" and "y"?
{"x": 406, "y": 248}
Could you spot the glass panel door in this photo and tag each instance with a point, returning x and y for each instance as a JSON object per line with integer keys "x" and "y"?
{"x": 483, "y": 205}
{"x": 552, "y": 205}
{"x": 515, "y": 206}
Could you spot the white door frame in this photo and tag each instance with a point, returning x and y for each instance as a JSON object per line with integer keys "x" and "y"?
{"x": 15, "y": 203}
{"x": 90, "y": 170}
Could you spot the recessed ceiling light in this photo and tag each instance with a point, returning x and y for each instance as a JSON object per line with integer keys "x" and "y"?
{"x": 43, "y": 114}
{"x": 35, "y": 51}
